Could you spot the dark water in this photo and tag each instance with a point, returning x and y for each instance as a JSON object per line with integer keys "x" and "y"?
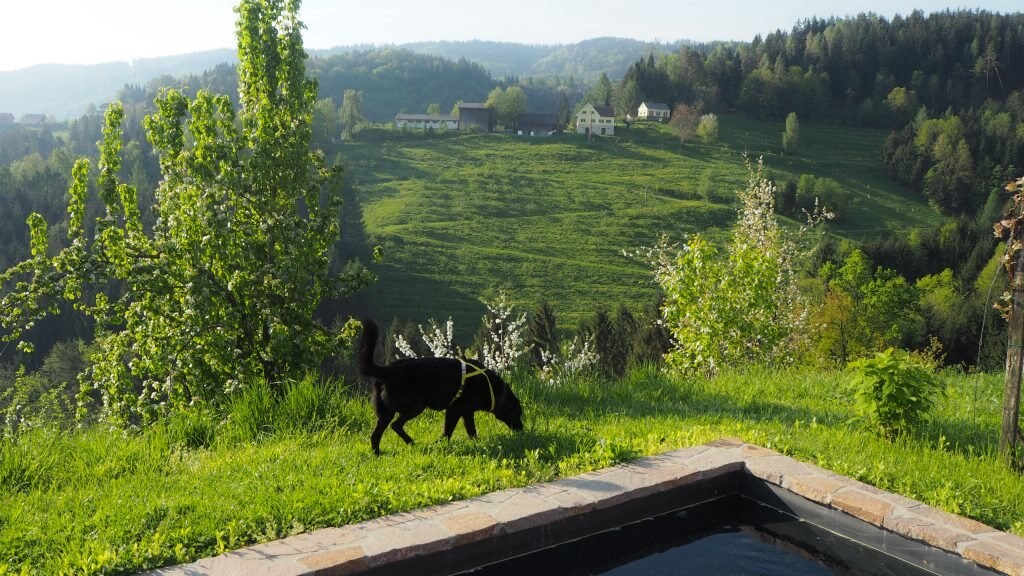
{"x": 741, "y": 553}
{"x": 706, "y": 539}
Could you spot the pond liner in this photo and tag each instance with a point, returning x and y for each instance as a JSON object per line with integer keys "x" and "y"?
{"x": 601, "y": 539}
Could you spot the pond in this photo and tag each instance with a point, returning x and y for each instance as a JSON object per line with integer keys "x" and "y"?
{"x": 738, "y": 534}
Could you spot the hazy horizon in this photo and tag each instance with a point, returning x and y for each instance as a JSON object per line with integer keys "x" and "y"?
{"x": 107, "y": 31}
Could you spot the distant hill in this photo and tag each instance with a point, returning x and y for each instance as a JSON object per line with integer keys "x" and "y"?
{"x": 64, "y": 91}
{"x": 584, "y": 60}
{"x": 393, "y": 80}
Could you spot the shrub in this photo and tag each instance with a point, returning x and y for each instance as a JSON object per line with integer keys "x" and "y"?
{"x": 813, "y": 192}
{"x": 706, "y": 186}
{"x": 707, "y": 128}
{"x": 892, "y": 391}
{"x": 738, "y": 308}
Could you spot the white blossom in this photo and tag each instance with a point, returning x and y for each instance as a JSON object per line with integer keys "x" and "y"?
{"x": 439, "y": 340}
{"x": 505, "y": 340}
{"x": 403, "y": 347}
{"x": 557, "y": 369}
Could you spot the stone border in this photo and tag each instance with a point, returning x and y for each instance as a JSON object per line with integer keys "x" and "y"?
{"x": 399, "y": 538}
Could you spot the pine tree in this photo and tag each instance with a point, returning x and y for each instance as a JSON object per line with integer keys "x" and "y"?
{"x": 542, "y": 332}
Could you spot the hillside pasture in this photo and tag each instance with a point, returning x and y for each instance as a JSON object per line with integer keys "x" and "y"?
{"x": 461, "y": 216}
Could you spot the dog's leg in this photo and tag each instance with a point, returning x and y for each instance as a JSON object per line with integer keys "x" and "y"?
{"x": 404, "y": 417}
{"x": 378, "y": 432}
{"x": 451, "y": 419}
{"x": 467, "y": 421}
{"x": 384, "y": 416}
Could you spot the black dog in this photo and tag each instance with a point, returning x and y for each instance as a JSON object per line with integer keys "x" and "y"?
{"x": 457, "y": 386}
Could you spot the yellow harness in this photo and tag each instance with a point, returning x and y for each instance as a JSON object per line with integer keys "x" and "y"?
{"x": 466, "y": 375}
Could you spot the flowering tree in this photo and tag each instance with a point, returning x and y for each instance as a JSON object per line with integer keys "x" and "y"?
{"x": 740, "y": 308}
{"x": 579, "y": 358}
{"x": 439, "y": 340}
{"x": 503, "y": 343}
{"x": 707, "y": 128}
{"x": 685, "y": 120}
{"x": 503, "y": 338}
{"x": 223, "y": 289}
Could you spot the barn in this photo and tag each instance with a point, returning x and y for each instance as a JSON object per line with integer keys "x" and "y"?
{"x": 476, "y": 116}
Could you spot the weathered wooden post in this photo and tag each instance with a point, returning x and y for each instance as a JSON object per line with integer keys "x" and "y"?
{"x": 1010, "y": 439}
{"x": 1010, "y": 431}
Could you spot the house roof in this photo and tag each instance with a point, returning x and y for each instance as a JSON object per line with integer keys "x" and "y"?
{"x": 33, "y": 119}
{"x": 605, "y": 110}
{"x": 6, "y": 118}
{"x": 543, "y": 119}
{"x": 473, "y": 105}
{"x": 655, "y": 105}
{"x": 426, "y": 117}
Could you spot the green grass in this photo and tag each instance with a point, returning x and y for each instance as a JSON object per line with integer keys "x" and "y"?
{"x": 461, "y": 215}
{"x": 101, "y": 501}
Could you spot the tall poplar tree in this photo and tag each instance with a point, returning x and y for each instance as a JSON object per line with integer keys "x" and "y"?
{"x": 224, "y": 287}
{"x": 351, "y": 112}
{"x": 791, "y": 137}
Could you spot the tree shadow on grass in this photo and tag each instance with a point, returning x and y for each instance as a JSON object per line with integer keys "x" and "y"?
{"x": 687, "y": 401}
{"x": 512, "y": 445}
{"x": 961, "y": 436}
{"x": 690, "y": 401}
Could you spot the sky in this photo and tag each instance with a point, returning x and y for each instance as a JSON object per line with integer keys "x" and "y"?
{"x": 95, "y": 31}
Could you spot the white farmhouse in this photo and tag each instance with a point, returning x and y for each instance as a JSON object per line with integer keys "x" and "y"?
{"x": 653, "y": 111}
{"x": 597, "y": 120}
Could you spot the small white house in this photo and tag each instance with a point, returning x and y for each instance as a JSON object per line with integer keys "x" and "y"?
{"x": 33, "y": 119}
{"x": 653, "y": 111}
{"x": 424, "y": 121}
{"x": 597, "y": 120}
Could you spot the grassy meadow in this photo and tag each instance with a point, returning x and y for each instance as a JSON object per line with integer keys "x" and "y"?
{"x": 462, "y": 215}
{"x": 100, "y": 501}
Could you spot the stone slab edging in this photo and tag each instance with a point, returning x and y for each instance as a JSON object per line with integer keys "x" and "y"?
{"x": 401, "y": 537}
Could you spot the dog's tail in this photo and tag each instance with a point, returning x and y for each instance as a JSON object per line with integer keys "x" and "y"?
{"x": 367, "y": 344}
